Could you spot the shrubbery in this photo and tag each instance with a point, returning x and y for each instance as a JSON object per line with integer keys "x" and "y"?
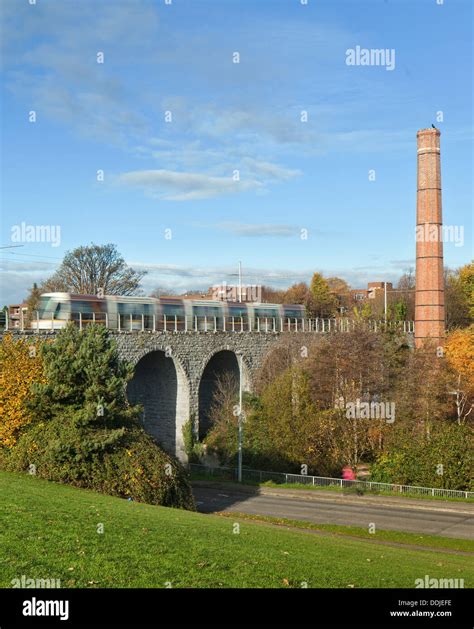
{"x": 84, "y": 431}
{"x": 441, "y": 459}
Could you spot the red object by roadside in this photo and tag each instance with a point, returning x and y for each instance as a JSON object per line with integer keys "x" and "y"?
{"x": 348, "y": 474}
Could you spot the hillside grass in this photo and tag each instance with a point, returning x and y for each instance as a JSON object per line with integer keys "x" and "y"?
{"x": 433, "y": 542}
{"x": 50, "y": 530}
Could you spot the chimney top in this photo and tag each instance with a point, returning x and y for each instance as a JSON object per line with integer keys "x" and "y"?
{"x": 428, "y": 131}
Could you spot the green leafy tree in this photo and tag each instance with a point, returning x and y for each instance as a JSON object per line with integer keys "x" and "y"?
{"x": 323, "y": 301}
{"x": 400, "y": 310}
{"x": 32, "y": 303}
{"x": 459, "y": 295}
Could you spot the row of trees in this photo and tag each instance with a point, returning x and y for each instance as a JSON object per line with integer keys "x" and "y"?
{"x": 327, "y": 297}
{"x": 299, "y": 412}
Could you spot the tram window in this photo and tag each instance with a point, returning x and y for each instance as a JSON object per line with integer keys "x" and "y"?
{"x": 238, "y": 311}
{"x": 207, "y": 311}
{"x": 135, "y": 309}
{"x": 63, "y": 311}
{"x": 266, "y": 312}
{"x": 173, "y": 310}
{"x": 293, "y": 313}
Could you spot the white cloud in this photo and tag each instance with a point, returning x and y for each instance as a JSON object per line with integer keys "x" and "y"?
{"x": 259, "y": 230}
{"x": 179, "y": 186}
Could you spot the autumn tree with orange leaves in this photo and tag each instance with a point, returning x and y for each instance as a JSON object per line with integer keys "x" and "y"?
{"x": 460, "y": 358}
{"x": 20, "y": 367}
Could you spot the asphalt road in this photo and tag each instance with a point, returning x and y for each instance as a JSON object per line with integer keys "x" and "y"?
{"x": 448, "y": 519}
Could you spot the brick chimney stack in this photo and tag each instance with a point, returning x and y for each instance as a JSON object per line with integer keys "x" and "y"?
{"x": 429, "y": 296}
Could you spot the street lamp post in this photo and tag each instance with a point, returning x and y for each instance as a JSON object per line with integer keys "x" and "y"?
{"x": 239, "y": 464}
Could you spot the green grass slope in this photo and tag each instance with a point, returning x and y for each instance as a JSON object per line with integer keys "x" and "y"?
{"x": 51, "y": 531}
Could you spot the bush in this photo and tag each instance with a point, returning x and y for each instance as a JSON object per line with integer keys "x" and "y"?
{"x": 132, "y": 467}
{"x": 442, "y": 460}
{"x": 86, "y": 433}
{"x": 192, "y": 447}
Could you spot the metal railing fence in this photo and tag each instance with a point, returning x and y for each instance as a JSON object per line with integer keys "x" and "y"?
{"x": 261, "y": 476}
{"x": 193, "y": 323}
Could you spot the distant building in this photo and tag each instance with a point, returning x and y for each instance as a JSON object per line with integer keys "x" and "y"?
{"x": 232, "y": 292}
{"x": 361, "y": 294}
{"x": 373, "y": 287}
{"x": 17, "y": 315}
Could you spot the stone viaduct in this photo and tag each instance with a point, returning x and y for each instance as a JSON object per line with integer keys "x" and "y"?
{"x": 176, "y": 373}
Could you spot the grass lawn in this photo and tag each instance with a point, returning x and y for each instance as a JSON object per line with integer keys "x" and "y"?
{"x": 50, "y": 531}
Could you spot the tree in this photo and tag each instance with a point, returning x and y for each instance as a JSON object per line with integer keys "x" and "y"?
{"x": 286, "y": 431}
{"x": 222, "y": 437}
{"x": 20, "y": 367}
{"x": 32, "y": 303}
{"x": 162, "y": 292}
{"x": 337, "y": 285}
{"x": 356, "y": 365}
{"x": 296, "y": 294}
{"x": 272, "y": 296}
{"x": 460, "y": 357}
{"x": 341, "y": 291}
{"x": 94, "y": 269}
{"x": 406, "y": 286}
{"x": 459, "y": 294}
{"x": 466, "y": 280}
{"x": 400, "y": 310}
{"x": 323, "y": 302}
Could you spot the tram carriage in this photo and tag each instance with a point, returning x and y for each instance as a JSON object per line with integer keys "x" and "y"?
{"x": 119, "y": 313}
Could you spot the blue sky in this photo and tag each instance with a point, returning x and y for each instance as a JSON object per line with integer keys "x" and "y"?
{"x": 227, "y": 117}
